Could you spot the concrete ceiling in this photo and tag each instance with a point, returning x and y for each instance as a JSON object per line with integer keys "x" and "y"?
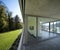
{"x": 41, "y": 19}
{"x": 45, "y": 8}
{"x": 46, "y": 20}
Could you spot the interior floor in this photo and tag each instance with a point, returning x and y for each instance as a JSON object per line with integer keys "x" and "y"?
{"x": 44, "y": 42}
{"x": 46, "y": 35}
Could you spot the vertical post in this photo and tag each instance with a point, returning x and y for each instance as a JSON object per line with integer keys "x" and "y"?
{"x": 49, "y": 28}
{"x": 37, "y": 27}
{"x": 56, "y": 27}
{"x": 53, "y": 27}
{"x": 25, "y": 29}
{"x": 25, "y": 19}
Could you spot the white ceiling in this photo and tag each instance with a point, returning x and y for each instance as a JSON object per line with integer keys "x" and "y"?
{"x": 45, "y": 8}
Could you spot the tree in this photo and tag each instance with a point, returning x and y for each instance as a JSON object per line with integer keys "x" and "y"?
{"x": 17, "y": 22}
{"x": 7, "y": 22}
{"x": 10, "y": 20}
{"x": 3, "y": 18}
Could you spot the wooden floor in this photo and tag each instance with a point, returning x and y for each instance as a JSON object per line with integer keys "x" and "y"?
{"x": 50, "y": 43}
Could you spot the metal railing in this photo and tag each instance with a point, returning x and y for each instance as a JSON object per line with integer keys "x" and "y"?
{"x": 20, "y": 47}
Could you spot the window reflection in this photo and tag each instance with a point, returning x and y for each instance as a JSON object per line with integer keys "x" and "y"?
{"x": 58, "y": 27}
{"x": 46, "y": 26}
{"x": 54, "y": 27}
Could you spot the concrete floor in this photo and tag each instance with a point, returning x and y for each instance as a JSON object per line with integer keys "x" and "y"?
{"x": 46, "y": 35}
{"x": 49, "y": 43}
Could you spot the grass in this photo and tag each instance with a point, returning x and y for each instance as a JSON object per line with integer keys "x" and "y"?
{"x": 8, "y": 38}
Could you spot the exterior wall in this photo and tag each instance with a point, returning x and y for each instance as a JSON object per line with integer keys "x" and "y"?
{"x": 32, "y": 24}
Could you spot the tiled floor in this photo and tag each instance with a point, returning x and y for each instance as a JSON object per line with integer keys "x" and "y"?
{"x": 52, "y": 43}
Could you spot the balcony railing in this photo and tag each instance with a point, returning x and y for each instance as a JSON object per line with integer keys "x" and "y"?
{"x": 20, "y": 47}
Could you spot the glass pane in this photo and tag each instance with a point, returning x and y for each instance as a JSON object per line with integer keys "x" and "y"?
{"x": 58, "y": 26}
{"x": 55, "y": 28}
{"x": 51, "y": 27}
{"x": 46, "y": 26}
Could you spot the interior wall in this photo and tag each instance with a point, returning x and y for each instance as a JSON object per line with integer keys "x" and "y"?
{"x": 32, "y": 25}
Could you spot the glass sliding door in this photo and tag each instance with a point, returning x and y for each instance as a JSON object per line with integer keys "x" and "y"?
{"x": 55, "y": 27}
{"x": 43, "y": 30}
{"x": 51, "y": 26}
{"x": 45, "y": 27}
{"x": 58, "y": 27}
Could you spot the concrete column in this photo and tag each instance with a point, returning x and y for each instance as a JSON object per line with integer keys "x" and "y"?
{"x": 37, "y": 27}
{"x": 25, "y": 38}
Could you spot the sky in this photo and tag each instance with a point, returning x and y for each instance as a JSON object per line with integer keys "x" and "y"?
{"x": 13, "y": 6}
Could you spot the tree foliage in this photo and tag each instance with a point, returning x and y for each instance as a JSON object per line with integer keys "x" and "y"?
{"x": 17, "y": 22}
{"x": 7, "y": 22}
{"x": 3, "y": 18}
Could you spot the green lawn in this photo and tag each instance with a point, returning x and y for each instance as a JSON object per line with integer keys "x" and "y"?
{"x": 8, "y": 38}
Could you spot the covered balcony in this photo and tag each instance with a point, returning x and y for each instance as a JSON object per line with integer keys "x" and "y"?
{"x": 41, "y": 25}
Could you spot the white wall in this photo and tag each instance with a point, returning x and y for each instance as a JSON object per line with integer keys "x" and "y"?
{"x": 32, "y": 22}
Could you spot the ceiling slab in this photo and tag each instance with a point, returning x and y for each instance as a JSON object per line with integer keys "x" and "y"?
{"x": 46, "y": 8}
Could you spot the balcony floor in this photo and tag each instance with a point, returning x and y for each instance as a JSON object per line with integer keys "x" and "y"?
{"x": 44, "y": 35}
{"x": 44, "y": 42}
